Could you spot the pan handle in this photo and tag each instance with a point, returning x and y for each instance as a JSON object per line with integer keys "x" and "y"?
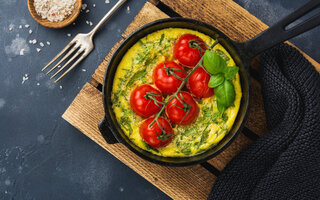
{"x": 279, "y": 31}
{"x": 106, "y": 132}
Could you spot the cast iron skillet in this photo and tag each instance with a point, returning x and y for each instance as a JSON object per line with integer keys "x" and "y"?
{"x": 240, "y": 52}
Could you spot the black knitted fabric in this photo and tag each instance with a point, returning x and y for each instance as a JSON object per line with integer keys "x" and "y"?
{"x": 285, "y": 162}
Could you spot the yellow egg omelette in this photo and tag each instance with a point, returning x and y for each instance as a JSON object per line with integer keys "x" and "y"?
{"x": 136, "y": 68}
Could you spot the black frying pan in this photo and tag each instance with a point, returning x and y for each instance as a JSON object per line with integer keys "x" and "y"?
{"x": 242, "y": 53}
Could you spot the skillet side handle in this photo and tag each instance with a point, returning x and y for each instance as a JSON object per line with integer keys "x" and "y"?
{"x": 278, "y": 32}
{"x": 106, "y": 132}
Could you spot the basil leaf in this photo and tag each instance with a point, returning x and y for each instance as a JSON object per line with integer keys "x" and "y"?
{"x": 213, "y": 62}
{"x": 216, "y": 80}
{"x": 225, "y": 95}
{"x": 230, "y": 72}
{"x": 221, "y": 108}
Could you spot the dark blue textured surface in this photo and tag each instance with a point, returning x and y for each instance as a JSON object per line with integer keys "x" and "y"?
{"x": 41, "y": 155}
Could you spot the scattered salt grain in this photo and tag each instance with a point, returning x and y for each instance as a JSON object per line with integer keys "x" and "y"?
{"x": 84, "y": 6}
{"x": 87, "y": 22}
{"x": 73, "y": 23}
{"x": 27, "y": 25}
{"x": 30, "y": 41}
{"x": 48, "y": 43}
{"x": 84, "y": 70}
{"x": 24, "y": 78}
{"x": 38, "y": 49}
{"x": 87, "y": 11}
{"x": 30, "y": 31}
{"x": 38, "y": 84}
{"x": 90, "y": 23}
{"x": 41, "y": 44}
{"x": 34, "y": 41}
{"x": 60, "y": 87}
{"x": 20, "y": 27}
{"x": 69, "y": 34}
{"x": 94, "y": 5}
{"x": 10, "y": 28}
{"x": 21, "y": 52}
{"x": 107, "y": 1}
{"x": 128, "y": 10}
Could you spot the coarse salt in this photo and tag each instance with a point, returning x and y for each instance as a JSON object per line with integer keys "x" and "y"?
{"x": 21, "y": 52}
{"x": 84, "y": 6}
{"x": 107, "y": 1}
{"x": 38, "y": 49}
{"x": 27, "y": 25}
{"x": 54, "y": 10}
{"x": 48, "y": 43}
{"x": 94, "y": 5}
{"x": 30, "y": 31}
{"x": 69, "y": 34}
{"x": 20, "y": 27}
{"x": 41, "y": 44}
{"x": 24, "y": 78}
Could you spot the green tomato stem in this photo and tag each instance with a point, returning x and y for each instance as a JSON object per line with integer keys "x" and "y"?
{"x": 181, "y": 85}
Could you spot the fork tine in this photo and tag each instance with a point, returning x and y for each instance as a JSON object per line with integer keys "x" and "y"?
{"x": 69, "y": 61}
{"x": 59, "y": 54}
{"x": 73, "y": 66}
{"x": 65, "y": 57}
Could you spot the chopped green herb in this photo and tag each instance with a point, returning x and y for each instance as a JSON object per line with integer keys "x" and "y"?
{"x": 161, "y": 39}
{"x": 148, "y": 147}
{"x": 126, "y": 124}
{"x": 190, "y": 131}
{"x": 222, "y": 54}
{"x": 137, "y": 76}
{"x": 186, "y": 149}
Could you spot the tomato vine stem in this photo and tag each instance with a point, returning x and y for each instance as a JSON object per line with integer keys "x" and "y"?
{"x": 181, "y": 86}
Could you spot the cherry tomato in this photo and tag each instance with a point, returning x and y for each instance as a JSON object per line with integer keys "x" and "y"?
{"x": 164, "y": 78}
{"x": 154, "y": 135}
{"x": 198, "y": 84}
{"x": 144, "y": 100}
{"x": 185, "y": 113}
{"x": 187, "y": 55}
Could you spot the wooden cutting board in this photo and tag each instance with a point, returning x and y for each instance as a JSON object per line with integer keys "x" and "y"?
{"x": 194, "y": 182}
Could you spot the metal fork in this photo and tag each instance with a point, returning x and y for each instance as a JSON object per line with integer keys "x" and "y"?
{"x": 83, "y": 43}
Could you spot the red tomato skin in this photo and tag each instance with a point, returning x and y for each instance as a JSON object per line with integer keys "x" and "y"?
{"x": 176, "y": 114}
{"x": 149, "y": 134}
{"x": 185, "y": 54}
{"x": 198, "y": 84}
{"x": 168, "y": 84}
{"x": 142, "y": 106}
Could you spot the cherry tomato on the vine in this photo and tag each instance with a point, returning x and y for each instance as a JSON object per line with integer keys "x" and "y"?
{"x": 156, "y": 136}
{"x": 145, "y": 100}
{"x": 198, "y": 84}
{"x": 183, "y": 109}
{"x": 168, "y": 76}
{"x": 187, "y": 55}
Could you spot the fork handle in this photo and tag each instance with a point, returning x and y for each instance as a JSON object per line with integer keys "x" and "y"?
{"x": 106, "y": 17}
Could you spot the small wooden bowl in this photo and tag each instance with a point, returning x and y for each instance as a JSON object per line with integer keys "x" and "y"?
{"x": 60, "y": 24}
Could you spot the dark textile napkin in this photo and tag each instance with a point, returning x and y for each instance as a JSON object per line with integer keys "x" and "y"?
{"x": 285, "y": 162}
